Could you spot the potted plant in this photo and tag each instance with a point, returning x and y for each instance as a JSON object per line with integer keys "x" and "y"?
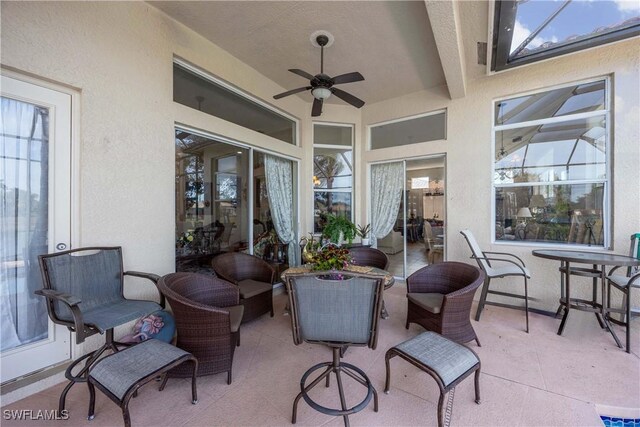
{"x": 331, "y": 257}
{"x": 339, "y": 229}
{"x": 363, "y": 232}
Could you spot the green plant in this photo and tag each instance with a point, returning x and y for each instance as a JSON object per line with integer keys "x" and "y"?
{"x": 331, "y": 258}
{"x": 363, "y": 231}
{"x": 339, "y": 227}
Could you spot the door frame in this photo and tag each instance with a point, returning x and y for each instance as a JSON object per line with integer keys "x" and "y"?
{"x": 404, "y": 160}
{"x": 74, "y": 179}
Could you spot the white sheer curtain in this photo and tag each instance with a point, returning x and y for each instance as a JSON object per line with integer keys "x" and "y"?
{"x": 387, "y": 181}
{"x": 23, "y": 221}
{"x": 279, "y": 177}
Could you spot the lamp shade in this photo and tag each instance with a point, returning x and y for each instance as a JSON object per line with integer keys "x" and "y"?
{"x": 524, "y": 213}
{"x": 321, "y": 93}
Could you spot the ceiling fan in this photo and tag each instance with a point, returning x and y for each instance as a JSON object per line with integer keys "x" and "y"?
{"x": 321, "y": 85}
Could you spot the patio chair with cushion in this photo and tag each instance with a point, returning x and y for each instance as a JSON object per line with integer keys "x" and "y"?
{"x": 84, "y": 292}
{"x": 439, "y": 298}
{"x": 624, "y": 283}
{"x": 513, "y": 266}
{"x": 208, "y": 316}
{"x": 335, "y": 313}
{"x": 254, "y": 278}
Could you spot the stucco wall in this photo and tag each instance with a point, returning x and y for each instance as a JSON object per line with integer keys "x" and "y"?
{"x": 468, "y": 149}
{"x": 119, "y": 56}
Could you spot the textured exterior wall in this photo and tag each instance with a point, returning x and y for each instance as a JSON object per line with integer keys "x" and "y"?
{"x": 119, "y": 56}
{"x": 469, "y": 161}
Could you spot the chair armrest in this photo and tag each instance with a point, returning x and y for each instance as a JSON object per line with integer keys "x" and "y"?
{"x": 149, "y": 276}
{"x": 489, "y": 259}
{"x": 508, "y": 254}
{"x": 72, "y": 302}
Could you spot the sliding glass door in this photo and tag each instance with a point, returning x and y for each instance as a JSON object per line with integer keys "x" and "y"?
{"x": 232, "y": 198}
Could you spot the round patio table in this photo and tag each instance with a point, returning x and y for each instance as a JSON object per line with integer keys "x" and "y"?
{"x": 596, "y": 259}
{"x": 387, "y": 278}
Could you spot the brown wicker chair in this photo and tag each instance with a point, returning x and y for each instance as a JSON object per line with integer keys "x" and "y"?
{"x": 208, "y": 316}
{"x": 371, "y": 257}
{"x": 439, "y": 298}
{"x": 253, "y": 276}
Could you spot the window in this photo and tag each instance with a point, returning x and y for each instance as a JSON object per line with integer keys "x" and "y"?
{"x": 551, "y": 172}
{"x": 529, "y": 31}
{"x": 332, "y": 172}
{"x": 193, "y": 89}
{"x": 424, "y": 128}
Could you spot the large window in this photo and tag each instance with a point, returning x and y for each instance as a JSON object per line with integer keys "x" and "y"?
{"x": 195, "y": 89}
{"x": 332, "y": 172}
{"x": 529, "y": 31}
{"x": 551, "y": 171}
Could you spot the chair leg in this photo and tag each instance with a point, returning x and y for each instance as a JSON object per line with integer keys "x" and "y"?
{"x": 440, "y": 411}
{"x": 92, "y": 402}
{"x": 164, "y": 382}
{"x": 478, "y": 342}
{"x": 526, "y": 301}
{"x": 194, "y": 390}
{"x": 628, "y": 317}
{"x": 343, "y": 402}
{"x": 483, "y": 298}
{"x": 387, "y": 382}
{"x": 477, "y": 385}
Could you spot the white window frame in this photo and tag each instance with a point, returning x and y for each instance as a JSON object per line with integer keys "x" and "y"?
{"x": 607, "y": 182}
{"x": 404, "y": 119}
{"x": 353, "y": 168}
{"x": 218, "y": 81}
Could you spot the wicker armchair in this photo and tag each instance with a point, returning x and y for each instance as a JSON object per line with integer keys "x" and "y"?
{"x": 208, "y": 316}
{"x": 253, "y": 276}
{"x": 371, "y": 257}
{"x": 439, "y": 298}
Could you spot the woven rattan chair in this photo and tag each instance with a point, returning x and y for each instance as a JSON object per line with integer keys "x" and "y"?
{"x": 497, "y": 265}
{"x": 439, "y": 298}
{"x": 371, "y": 257}
{"x": 335, "y": 313}
{"x": 84, "y": 292}
{"x": 208, "y": 317}
{"x": 254, "y": 277}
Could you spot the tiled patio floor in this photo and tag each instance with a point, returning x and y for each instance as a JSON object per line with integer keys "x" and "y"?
{"x": 534, "y": 379}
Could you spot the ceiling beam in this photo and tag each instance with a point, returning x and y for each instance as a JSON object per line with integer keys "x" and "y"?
{"x": 445, "y": 24}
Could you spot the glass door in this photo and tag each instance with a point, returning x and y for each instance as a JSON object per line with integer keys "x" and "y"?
{"x": 35, "y": 178}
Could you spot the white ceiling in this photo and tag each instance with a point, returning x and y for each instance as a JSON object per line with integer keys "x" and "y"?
{"x": 389, "y": 42}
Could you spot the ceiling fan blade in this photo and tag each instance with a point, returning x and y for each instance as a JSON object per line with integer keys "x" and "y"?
{"x": 316, "y": 110}
{"x": 291, "y": 92}
{"x": 356, "y": 102}
{"x": 347, "y": 78}
{"x": 302, "y": 73}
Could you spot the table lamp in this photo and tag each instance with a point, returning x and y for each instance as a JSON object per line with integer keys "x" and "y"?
{"x": 524, "y": 213}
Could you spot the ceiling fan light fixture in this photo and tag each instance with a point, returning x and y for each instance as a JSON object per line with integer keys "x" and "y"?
{"x": 321, "y": 93}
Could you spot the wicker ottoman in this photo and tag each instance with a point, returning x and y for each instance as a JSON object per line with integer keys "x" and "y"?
{"x": 446, "y": 361}
{"x": 121, "y": 374}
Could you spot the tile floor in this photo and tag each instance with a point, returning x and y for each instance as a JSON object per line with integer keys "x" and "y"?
{"x": 535, "y": 379}
{"x": 417, "y": 257}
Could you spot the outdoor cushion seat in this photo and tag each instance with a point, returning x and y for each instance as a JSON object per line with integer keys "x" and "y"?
{"x": 619, "y": 280}
{"x": 250, "y": 288}
{"x": 105, "y": 317}
{"x": 429, "y": 301}
{"x": 121, "y": 374}
{"x": 446, "y": 361}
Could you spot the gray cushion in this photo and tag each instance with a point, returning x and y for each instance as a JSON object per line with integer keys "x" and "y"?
{"x": 119, "y": 371}
{"x": 235, "y": 316}
{"x": 118, "y": 313}
{"x": 448, "y": 359}
{"x": 429, "y": 301}
{"x": 250, "y": 288}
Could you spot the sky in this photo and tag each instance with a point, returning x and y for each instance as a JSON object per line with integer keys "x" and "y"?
{"x": 579, "y": 17}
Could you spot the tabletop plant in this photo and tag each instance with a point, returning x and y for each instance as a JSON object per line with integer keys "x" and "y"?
{"x": 363, "y": 231}
{"x": 338, "y": 229}
{"x": 331, "y": 257}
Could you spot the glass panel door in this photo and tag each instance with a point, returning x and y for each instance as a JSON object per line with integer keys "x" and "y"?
{"x": 35, "y": 212}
